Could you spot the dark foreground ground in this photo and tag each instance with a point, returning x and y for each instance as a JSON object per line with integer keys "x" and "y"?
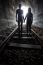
{"x": 22, "y": 56}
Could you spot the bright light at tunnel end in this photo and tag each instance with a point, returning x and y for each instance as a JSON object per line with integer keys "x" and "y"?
{"x": 25, "y": 10}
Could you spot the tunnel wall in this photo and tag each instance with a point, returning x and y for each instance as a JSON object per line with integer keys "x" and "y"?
{"x": 39, "y": 13}
{"x": 8, "y": 11}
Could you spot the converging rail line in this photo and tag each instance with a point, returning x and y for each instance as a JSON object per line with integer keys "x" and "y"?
{"x": 14, "y": 36}
{"x": 4, "y": 43}
{"x": 13, "y": 45}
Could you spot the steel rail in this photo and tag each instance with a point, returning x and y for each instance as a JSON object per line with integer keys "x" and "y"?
{"x": 39, "y": 39}
{"x": 4, "y": 43}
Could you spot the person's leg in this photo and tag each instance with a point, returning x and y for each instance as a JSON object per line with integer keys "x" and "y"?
{"x": 27, "y": 28}
{"x": 30, "y": 28}
{"x": 21, "y": 27}
{"x": 18, "y": 27}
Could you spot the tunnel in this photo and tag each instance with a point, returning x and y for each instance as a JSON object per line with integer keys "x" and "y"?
{"x": 8, "y": 12}
{"x": 20, "y": 45}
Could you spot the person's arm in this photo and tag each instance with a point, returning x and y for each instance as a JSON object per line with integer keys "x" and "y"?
{"x": 16, "y": 15}
{"x": 25, "y": 18}
{"x": 32, "y": 17}
{"x": 22, "y": 16}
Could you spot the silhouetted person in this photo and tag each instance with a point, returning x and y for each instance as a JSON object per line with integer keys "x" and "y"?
{"x": 19, "y": 18}
{"x": 29, "y": 17}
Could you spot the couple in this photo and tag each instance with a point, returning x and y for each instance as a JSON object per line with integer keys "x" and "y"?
{"x": 20, "y": 18}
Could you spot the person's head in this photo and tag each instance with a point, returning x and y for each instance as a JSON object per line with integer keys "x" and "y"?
{"x": 19, "y": 6}
{"x": 29, "y": 10}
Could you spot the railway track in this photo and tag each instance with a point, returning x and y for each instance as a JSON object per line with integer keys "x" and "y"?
{"x": 23, "y": 50}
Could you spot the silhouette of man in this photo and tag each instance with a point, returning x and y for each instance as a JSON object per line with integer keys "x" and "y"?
{"x": 29, "y": 17}
{"x": 19, "y": 18}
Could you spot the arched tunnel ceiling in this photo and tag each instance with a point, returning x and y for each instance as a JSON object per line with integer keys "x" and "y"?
{"x": 10, "y": 3}
{"x": 7, "y": 7}
{"x": 13, "y": 3}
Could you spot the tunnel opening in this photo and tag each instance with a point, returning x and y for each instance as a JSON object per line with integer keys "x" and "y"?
{"x": 8, "y": 11}
{"x": 8, "y": 8}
